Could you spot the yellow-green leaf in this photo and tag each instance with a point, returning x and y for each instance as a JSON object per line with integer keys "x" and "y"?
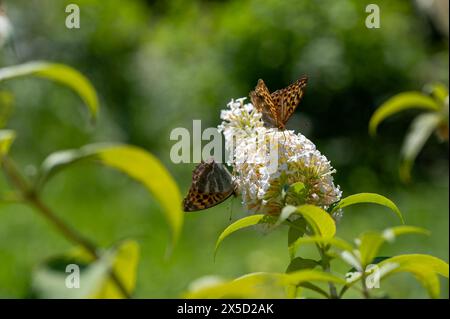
{"x": 241, "y": 223}
{"x": 401, "y": 102}
{"x": 148, "y": 170}
{"x": 369, "y": 245}
{"x": 136, "y": 163}
{"x": 6, "y": 139}
{"x": 60, "y": 73}
{"x": 321, "y": 222}
{"x": 438, "y": 90}
{"x": 424, "y": 267}
{"x": 368, "y": 198}
{"x": 389, "y": 234}
{"x": 126, "y": 257}
{"x": 370, "y": 242}
{"x": 262, "y": 285}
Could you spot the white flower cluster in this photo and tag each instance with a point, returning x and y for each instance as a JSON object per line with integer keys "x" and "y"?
{"x": 267, "y": 162}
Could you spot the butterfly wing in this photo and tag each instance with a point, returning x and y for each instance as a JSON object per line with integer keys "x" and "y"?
{"x": 286, "y": 100}
{"x": 212, "y": 184}
{"x": 263, "y": 102}
{"x": 196, "y": 200}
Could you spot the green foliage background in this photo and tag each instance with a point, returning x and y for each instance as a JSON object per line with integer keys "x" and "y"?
{"x": 158, "y": 65}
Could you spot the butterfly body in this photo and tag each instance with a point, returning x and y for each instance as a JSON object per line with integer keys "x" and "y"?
{"x": 277, "y": 107}
{"x": 211, "y": 184}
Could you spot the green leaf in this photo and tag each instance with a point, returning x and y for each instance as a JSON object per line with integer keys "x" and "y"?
{"x": 401, "y": 102}
{"x": 133, "y": 161}
{"x": 50, "y": 278}
{"x": 424, "y": 267}
{"x": 335, "y": 242}
{"x": 296, "y": 230}
{"x": 301, "y": 276}
{"x": 370, "y": 242}
{"x": 6, "y": 107}
{"x": 126, "y": 257}
{"x": 437, "y": 90}
{"x": 368, "y": 198}
{"x": 242, "y": 223}
{"x": 148, "y": 170}
{"x": 421, "y": 129}
{"x": 6, "y": 139}
{"x": 297, "y": 188}
{"x": 322, "y": 224}
{"x": 60, "y": 73}
{"x": 300, "y": 263}
{"x": 261, "y": 285}
{"x": 389, "y": 234}
{"x": 296, "y": 193}
{"x": 315, "y": 288}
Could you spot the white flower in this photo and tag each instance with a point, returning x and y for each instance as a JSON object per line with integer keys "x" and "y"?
{"x": 267, "y": 161}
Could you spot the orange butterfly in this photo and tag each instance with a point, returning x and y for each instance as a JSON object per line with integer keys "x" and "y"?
{"x": 277, "y": 108}
{"x": 211, "y": 184}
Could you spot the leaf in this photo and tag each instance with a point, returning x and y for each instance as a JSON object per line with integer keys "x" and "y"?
{"x": 50, "y": 278}
{"x": 355, "y": 273}
{"x": 296, "y": 193}
{"x": 437, "y": 90}
{"x": 389, "y": 234}
{"x": 133, "y": 161}
{"x": 261, "y": 285}
{"x": 335, "y": 242}
{"x": 60, "y": 73}
{"x": 370, "y": 242}
{"x": 321, "y": 222}
{"x": 297, "y": 188}
{"x": 6, "y": 107}
{"x": 300, "y": 263}
{"x": 148, "y": 170}
{"x": 6, "y": 139}
{"x": 424, "y": 267}
{"x": 315, "y": 288}
{"x": 421, "y": 129}
{"x": 126, "y": 258}
{"x": 368, "y": 198}
{"x": 254, "y": 285}
{"x": 242, "y": 223}
{"x": 296, "y": 230}
{"x": 401, "y": 102}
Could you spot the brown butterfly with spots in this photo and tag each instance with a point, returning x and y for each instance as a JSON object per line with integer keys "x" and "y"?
{"x": 277, "y": 108}
{"x": 212, "y": 184}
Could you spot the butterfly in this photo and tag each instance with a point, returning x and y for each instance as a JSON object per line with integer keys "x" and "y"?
{"x": 277, "y": 108}
{"x": 212, "y": 184}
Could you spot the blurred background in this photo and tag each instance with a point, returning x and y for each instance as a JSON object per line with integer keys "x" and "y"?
{"x": 158, "y": 65}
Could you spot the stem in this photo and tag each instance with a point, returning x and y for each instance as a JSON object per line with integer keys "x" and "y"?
{"x": 365, "y": 290}
{"x": 30, "y": 197}
{"x": 327, "y": 268}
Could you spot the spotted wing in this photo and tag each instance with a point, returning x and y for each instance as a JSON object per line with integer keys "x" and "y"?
{"x": 196, "y": 200}
{"x": 286, "y": 100}
{"x": 211, "y": 184}
{"x": 263, "y": 102}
